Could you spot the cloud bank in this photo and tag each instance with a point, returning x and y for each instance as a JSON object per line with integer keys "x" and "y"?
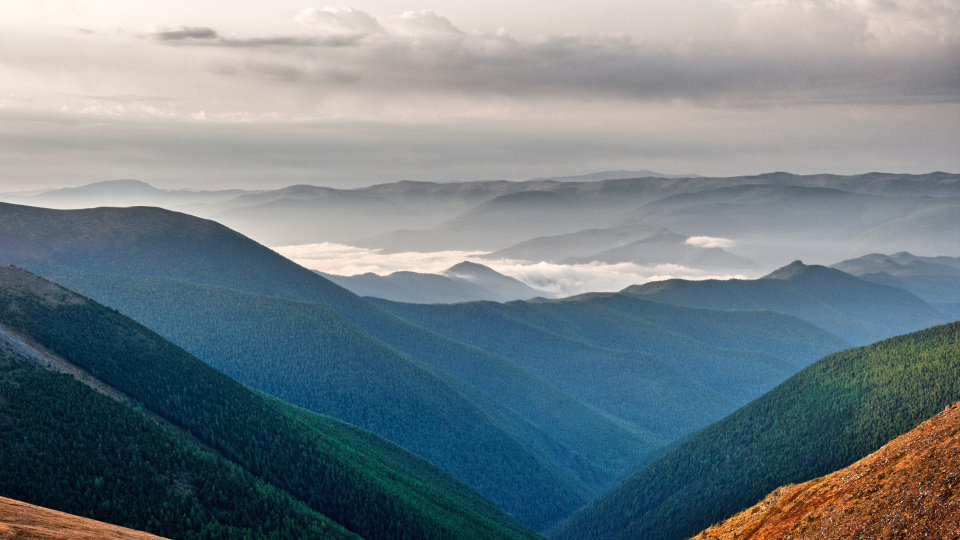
{"x": 554, "y": 280}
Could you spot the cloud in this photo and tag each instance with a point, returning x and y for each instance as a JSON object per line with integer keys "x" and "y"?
{"x": 555, "y": 280}
{"x": 764, "y": 52}
{"x": 184, "y": 33}
{"x": 709, "y": 242}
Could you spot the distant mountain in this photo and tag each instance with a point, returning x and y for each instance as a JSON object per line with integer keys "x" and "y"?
{"x": 899, "y": 489}
{"x": 856, "y": 310}
{"x": 22, "y": 520}
{"x": 669, "y": 248}
{"x": 831, "y": 414}
{"x": 667, "y": 369}
{"x": 148, "y": 242}
{"x": 578, "y": 245}
{"x": 616, "y": 175}
{"x": 103, "y": 418}
{"x": 934, "y": 279}
{"x": 118, "y": 193}
{"x": 308, "y": 214}
{"x": 464, "y": 282}
{"x": 506, "y": 287}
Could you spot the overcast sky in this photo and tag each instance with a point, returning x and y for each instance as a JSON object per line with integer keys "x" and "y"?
{"x": 211, "y": 93}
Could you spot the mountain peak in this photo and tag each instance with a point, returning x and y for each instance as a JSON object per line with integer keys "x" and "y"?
{"x": 789, "y": 271}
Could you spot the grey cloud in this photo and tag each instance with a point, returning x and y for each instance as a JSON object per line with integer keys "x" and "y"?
{"x": 184, "y": 33}
{"x": 835, "y": 53}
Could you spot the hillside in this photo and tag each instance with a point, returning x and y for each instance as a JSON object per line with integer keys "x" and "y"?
{"x": 899, "y": 491}
{"x": 665, "y": 368}
{"x": 150, "y": 242}
{"x": 560, "y": 451}
{"x": 858, "y": 311}
{"x": 21, "y": 520}
{"x": 822, "y": 419}
{"x": 105, "y": 419}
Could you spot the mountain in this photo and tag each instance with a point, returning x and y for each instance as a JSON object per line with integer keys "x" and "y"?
{"x": 119, "y": 193}
{"x": 557, "y": 248}
{"x": 858, "y": 311}
{"x": 666, "y": 369}
{"x": 669, "y": 248}
{"x": 495, "y": 223}
{"x": 616, "y": 175}
{"x": 506, "y": 287}
{"x": 934, "y": 279}
{"x": 312, "y": 357}
{"x": 101, "y": 417}
{"x": 21, "y": 520}
{"x": 463, "y": 282}
{"x": 294, "y": 215}
{"x": 521, "y": 407}
{"x": 899, "y": 491}
{"x": 831, "y": 414}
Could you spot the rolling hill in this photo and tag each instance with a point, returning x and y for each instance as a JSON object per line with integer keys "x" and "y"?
{"x": 858, "y": 311}
{"x": 824, "y": 418}
{"x": 101, "y": 417}
{"x": 899, "y": 491}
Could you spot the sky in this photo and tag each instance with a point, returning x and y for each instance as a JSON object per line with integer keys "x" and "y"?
{"x": 207, "y": 94}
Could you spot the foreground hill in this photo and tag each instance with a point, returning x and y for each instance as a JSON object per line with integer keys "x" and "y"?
{"x": 826, "y": 417}
{"x": 310, "y": 356}
{"x": 899, "y": 491}
{"x": 858, "y": 311}
{"x": 101, "y": 417}
{"x": 665, "y": 368}
{"x": 150, "y": 242}
{"x": 22, "y": 520}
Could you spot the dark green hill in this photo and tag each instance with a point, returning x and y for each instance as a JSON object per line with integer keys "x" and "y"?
{"x": 149, "y": 242}
{"x": 665, "y": 368}
{"x": 309, "y": 355}
{"x": 145, "y": 435}
{"x": 856, "y": 310}
{"x": 824, "y": 418}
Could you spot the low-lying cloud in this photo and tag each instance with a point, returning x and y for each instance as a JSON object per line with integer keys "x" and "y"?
{"x": 554, "y": 280}
{"x": 709, "y": 242}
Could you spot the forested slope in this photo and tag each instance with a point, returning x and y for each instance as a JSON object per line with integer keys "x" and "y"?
{"x": 158, "y": 441}
{"x": 829, "y": 415}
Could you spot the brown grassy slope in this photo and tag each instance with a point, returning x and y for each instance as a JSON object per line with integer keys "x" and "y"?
{"x": 909, "y": 489}
{"x": 22, "y": 521}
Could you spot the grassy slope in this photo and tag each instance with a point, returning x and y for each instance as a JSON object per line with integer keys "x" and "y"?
{"x": 258, "y": 447}
{"x": 832, "y": 413}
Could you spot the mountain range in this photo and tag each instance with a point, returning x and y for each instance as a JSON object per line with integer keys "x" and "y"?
{"x": 763, "y": 219}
